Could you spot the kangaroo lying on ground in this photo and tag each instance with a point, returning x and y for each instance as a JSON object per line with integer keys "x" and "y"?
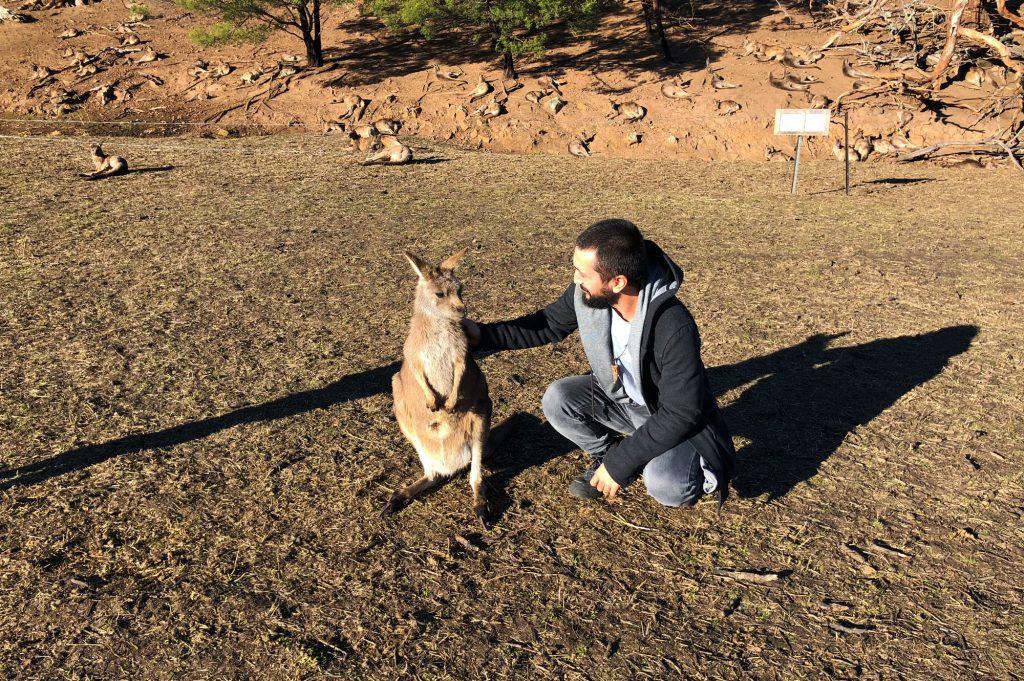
{"x": 441, "y": 398}
{"x": 106, "y": 166}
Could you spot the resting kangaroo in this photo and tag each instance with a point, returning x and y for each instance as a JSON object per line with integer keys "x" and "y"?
{"x": 106, "y": 166}
{"x": 441, "y": 399}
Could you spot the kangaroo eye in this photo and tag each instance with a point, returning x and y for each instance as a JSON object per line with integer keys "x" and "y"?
{"x": 439, "y": 294}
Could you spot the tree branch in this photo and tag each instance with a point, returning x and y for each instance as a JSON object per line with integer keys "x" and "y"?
{"x": 1002, "y": 50}
{"x": 952, "y": 31}
{"x": 865, "y": 15}
{"x": 1008, "y": 15}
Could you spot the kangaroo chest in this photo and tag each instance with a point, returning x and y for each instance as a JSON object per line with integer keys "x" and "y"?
{"x": 443, "y": 347}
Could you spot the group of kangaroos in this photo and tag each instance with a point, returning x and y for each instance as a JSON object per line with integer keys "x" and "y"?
{"x": 108, "y": 165}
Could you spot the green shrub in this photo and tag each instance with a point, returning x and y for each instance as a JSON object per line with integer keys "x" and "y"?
{"x": 225, "y": 33}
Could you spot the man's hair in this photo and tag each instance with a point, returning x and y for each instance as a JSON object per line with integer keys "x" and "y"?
{"x": 620, "y": 249}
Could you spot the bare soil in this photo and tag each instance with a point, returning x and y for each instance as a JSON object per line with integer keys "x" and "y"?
{"x": 196, "y": 430}
{"x": 619, "y": 63}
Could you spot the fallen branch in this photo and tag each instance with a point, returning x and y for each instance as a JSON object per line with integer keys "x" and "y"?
{"x": 859, "y": 20}
{"x": 952, "y": 31}
{"x": 928, "y": 151}
{"x": 247, "y": 103}
{"x": 990, "y": 41}
{"x": 1008, "y": 15}
{"x": 1009, "y": 152}
{"x": 989, "y": 143}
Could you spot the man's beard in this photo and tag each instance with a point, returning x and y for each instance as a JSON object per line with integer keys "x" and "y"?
{"x": 600, "y": 301}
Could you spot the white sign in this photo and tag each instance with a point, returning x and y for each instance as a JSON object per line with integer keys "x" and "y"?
{"x": 802, "y": 121}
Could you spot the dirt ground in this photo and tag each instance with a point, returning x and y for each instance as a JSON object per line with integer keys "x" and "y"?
{"x": 616, "y": 64}
{"x": 196, "y": 430}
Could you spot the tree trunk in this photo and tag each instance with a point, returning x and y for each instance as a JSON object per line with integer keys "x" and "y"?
{"x": 646, "y": 5}
{"x": 656, "y": 11}
{"x": 314, "y": 50}
{"x": 509, "y": 65}
{"x": 309, "y": 25}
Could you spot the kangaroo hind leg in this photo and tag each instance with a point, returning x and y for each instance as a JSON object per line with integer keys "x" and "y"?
{"x": 403, "y": 496}
{"x": 476, "y": 482}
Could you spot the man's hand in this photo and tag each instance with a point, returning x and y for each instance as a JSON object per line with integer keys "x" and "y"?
{"x": 472, "y": 332}
{"x": 602, "y": 480}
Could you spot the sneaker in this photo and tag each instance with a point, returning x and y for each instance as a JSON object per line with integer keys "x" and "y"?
{"x": 581, "y": 488}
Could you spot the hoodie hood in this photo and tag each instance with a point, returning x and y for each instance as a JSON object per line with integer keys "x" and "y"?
{"x": 663, "y": 280}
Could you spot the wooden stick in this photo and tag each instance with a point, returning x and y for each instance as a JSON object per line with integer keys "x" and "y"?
{"x": 1009, "y": 152}
{"x": 864, "y": 17}
{"x": 1008, "y": 15}
{"x": 952, "y": 31}
{"x": 990, "y": 142}
{"x": 990, "y": 41}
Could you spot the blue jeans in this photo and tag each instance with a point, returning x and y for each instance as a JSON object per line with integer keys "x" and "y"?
{"x": 592, "y": 421}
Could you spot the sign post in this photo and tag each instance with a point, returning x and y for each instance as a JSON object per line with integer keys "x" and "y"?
{"x": 846, "y": 147}
{"x": 801, "y": 122}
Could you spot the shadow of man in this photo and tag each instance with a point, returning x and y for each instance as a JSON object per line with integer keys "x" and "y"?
{"x": 805, "y": 399}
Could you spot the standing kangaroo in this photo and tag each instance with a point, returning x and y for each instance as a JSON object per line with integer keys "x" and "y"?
{"x": 441, "y": 399}
{"x": 106, "y": 166}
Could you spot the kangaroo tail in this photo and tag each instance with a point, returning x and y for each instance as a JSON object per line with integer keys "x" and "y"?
{"x": 501, "y": 433}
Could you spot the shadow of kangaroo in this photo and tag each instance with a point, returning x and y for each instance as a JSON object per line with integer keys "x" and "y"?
{"x": 441, "y": 399}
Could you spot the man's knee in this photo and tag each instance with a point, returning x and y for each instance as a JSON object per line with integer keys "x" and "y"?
{"x": 672, "y": 482}
{"x": 560, "y": 401}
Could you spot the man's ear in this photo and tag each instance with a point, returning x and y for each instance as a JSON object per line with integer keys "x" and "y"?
{"x": 452, "y": 261}
{"x": 419, "y": 265}
{"x": 618, "y": 283}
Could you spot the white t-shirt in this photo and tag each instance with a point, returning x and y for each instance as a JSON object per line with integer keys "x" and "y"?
{"x": 622, "y": 356}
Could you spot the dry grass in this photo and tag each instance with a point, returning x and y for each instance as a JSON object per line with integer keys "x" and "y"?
{"x": 195, "y": 427}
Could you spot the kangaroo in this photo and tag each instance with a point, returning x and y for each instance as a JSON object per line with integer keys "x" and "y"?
{"x": 549, "y": 83}
{"x": 453, "y": 76}
{"x": 106, "y": 166}
{"x": 579, "y": 147}
{"x": 819, "y": 101}
{"x": 794, "y": 62}
{"x": 785, "y": 84}
{"x": 492, "y": 109}
{"x": 441, "y": 398}
{"x": 631, "y": 110}
{"x": 481, "y": 89}
{"x": 675, "y": 91}
{"x": 862, "y": 145}
{"x": 851, "y": 72}
{"x": 769, "y": 53}
{"x": 392, "y": 153}
{"x": 726, "y": 107}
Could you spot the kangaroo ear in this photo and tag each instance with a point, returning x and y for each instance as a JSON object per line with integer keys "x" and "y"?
{"x": 452, "y": 261}
{"x": 419, "y": 265}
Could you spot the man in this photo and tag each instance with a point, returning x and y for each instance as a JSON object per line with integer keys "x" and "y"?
{"x": 647, "y": 380}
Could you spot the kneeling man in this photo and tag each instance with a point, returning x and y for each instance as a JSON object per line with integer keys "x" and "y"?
{"x": 647, "y": 380}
